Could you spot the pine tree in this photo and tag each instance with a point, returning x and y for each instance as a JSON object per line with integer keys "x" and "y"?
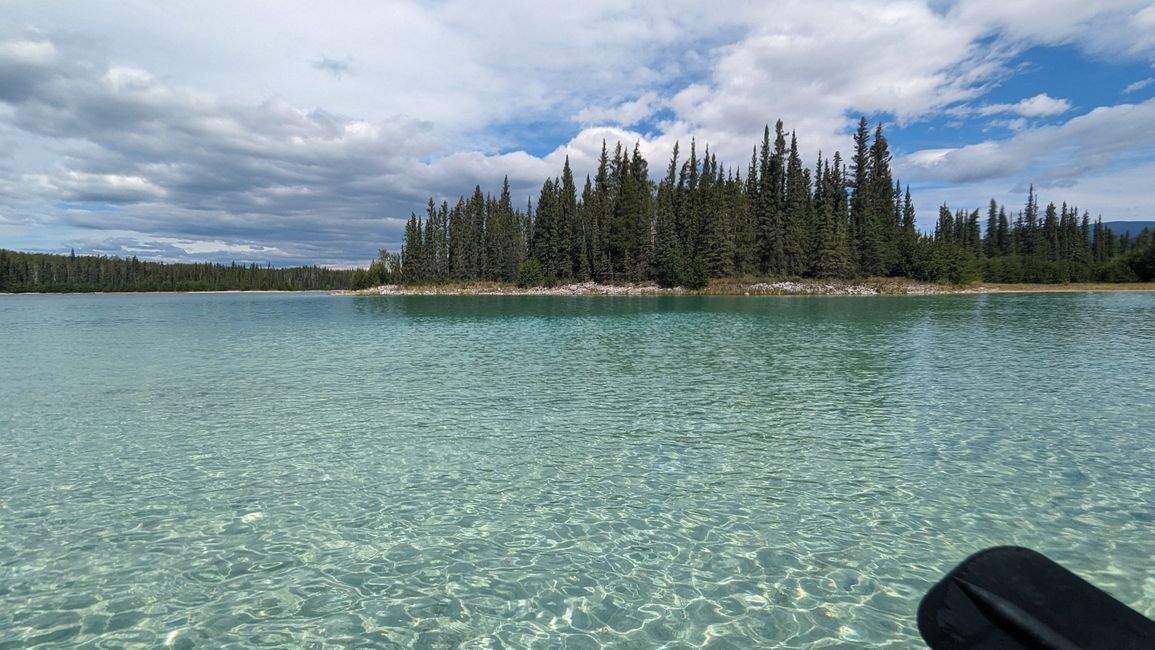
{"x": 670, "y": 263}
{"x": 944, "y": 230}
{"x": 1083, "y": 247}
{"x": 761, "y": 203}
{"x": 638, "y": 204}
{"x": 411, "y": 251}
{"x": 908, "y": 238}
{"x": 620, "y": 241}
{"x": 832, "y": 249}
{"x": 719, "y": 223}
{"x": 542, "y": 246}
{"x": 506, "y": 251}
{"x": 776, "y": 182}
{"x": 1032, "y": 238}
{"x": 991, "y": 239}
{"x": 587, "y": 259}
{"x": 1004, "y": 235}
{"x": 797, "y": 230}
{"x": 569, "y": 262}
{"x": 973, "y": 240}
{"x": 1050, "y": 233}
{"x": 877, "y": 247}
{"x": 860, "y": 164}
{"x": 475, "y": 231}
{"x": 601, "y": 214}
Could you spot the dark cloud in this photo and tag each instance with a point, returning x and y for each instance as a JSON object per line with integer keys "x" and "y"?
{"x": 336, "y": 67}
{"x": 183, "y": 165}
{"x": 299, "y": 186}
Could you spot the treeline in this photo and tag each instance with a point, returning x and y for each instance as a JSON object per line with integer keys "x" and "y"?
{"x": 703, "y": 220}
{"x": 1055, "y": 245}
{"x": 45, "y": 273}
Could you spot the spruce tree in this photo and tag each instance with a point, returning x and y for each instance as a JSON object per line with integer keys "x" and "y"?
{"x": 620, "y": 241}
{"x": 944, "y": 230}
{"x": 1050, "y": 234}
{"x": 670, "y": 262}
{"x": 411, "y": 251}
{"x": 1004, "y": 234}
{"x": 720, "y": 223}
{"x": 860, "y": 164}
{"x": 877, "y": 247}
{"x": 991, "y": 239}
{"x": 542, "y": 245}
{"x": 601, "y": 214}
{"x": 908, "y": 238}
{"x": 832, "y": 255}
{"x": 776, "y": 182}
{"x": 569, "y": 262}
{"x": 761, "y": 202}
{"x": 796, "y": 227}
{"x": 639, "y": 211}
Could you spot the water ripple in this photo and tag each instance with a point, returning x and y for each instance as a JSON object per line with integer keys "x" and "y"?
{"x": 418, "y": 472}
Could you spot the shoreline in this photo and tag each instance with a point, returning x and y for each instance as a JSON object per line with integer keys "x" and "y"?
{"x": 164, "y": 293}
{"x": 881, "y": 287}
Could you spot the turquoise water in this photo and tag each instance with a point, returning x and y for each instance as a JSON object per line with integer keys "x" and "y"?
{"x": 306, "y": 470}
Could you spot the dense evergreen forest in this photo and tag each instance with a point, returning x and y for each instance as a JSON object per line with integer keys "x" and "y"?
{"x": 702, "y": 220}
{"x": 28, "y": 272}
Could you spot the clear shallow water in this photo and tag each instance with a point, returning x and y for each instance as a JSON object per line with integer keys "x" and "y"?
{"x": 500, "y": 472}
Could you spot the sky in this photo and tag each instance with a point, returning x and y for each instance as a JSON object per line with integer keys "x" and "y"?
{"x": 298, "y": 132}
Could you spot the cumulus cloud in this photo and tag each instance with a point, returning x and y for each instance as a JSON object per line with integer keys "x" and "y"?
{"x": 268, "y": 170}
{"x": 1041, "y": 105}
{"x": 1105, "y": 27}
{"x": 256, "y": 154}
{"x": 818, "y": 67}
{"x": 624, "y": 114}
{"x": 233, "y": 145}
{"x": 1047, "y": 154}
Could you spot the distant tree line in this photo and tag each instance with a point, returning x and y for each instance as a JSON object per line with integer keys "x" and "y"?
{"x": 40, "y": 272}
{"x": 1052, "y": 245}
{"x": 702, "y": 220}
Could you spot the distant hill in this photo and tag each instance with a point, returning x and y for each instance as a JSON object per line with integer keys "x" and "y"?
{"x": 1128, "y": 227}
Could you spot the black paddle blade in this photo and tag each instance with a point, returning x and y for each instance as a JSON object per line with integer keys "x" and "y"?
{"x": 1011, "y": 597}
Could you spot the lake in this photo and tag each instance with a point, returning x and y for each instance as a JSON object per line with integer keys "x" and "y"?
{"x": 305, "y": 470}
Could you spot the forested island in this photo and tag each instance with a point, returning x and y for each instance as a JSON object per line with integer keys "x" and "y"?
{"x": 703, "y": 220}
{"x": 45, "y": 273}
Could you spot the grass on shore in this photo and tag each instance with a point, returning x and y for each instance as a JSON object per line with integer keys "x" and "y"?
{"x": 1068, "y": 287}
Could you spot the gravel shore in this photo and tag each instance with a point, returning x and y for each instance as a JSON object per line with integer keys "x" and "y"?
{"x": 594, "y": 289}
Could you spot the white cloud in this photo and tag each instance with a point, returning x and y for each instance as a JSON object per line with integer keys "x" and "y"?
{"x": 216, "y": 246}
{"x": 1138, "y": 85}
{"x": 1101, "y": 27}
{"x": 1084, "y": 144}
{"x": 214, "y": 113}
{"x": 27, "y": 52}
{"x": 1041, "y": 105}
{"x": 82, "y": 187}
{"x": 1143, "y": 22}
{"x": 624, "y": 114}
{"x": 818, "y": 66}
{"x": 1015, "y": 124}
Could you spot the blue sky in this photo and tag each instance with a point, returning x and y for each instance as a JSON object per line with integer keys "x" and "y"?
{"x": 296, "y": 132}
